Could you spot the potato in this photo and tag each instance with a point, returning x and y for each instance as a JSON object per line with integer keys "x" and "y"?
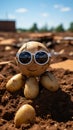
{"x": 25, "y": 114}
{"x": 32, "y": 69}
{"x": 15, "y": 83}
{"x": 31, "y": 89}
{"x": 49, "y": 81}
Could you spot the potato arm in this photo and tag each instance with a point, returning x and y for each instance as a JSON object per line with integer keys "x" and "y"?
{"x": 49, "y": 81}
{"x": 15, "y": 83}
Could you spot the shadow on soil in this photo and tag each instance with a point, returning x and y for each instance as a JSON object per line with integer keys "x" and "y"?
{"x": 56, "y": 105}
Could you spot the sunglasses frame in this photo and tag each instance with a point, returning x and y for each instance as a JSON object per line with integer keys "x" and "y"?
{"x": 33, "y": 54}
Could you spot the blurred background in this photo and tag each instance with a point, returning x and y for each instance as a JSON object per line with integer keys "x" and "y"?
{"x": 36, "y": 16}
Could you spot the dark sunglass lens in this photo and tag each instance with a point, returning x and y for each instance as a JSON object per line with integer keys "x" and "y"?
{"x": 41, "y": 57}
{"x": 25, "y": 57}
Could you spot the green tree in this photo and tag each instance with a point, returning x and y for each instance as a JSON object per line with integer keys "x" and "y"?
{"x": 34, "y": 28}
{"x": 60, "y": 28}
{"x": 71, "y": 27}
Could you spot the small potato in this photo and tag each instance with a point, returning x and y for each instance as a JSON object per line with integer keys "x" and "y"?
{"x": 15, "y": 83}
{"x": 25, "y": 114}
{"x": 31, "y": 89}
{"x": 49, "y": 81}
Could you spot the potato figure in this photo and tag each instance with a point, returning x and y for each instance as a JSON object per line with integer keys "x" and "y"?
{"x": 33, "y": 60}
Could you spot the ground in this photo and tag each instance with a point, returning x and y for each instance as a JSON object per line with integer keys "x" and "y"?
{"x": 54, "y": 110}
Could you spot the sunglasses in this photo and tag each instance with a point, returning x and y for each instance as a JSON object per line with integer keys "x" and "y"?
{"x": 40, "y": 57}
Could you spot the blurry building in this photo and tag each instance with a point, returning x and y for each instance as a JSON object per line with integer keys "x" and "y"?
{"x": 7, "y": 26}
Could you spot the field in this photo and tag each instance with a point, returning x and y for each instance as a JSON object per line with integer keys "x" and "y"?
{"x": 54, "y": 110}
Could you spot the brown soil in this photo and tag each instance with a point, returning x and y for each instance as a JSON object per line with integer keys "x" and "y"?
{"x": 64, "y": 64}
{"x": 54, "y": 110}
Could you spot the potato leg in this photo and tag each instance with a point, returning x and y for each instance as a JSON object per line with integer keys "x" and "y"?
{"x": 31, "y": 88}
{"x": 49, "y": 81}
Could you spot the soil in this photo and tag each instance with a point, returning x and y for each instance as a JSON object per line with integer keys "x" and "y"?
{"x": 54, "y": 110}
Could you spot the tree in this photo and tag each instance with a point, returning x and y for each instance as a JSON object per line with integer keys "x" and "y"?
{"x": 34, "y": 28}
{"x": 71, "y": 27}
{"x": 60, "y": 28}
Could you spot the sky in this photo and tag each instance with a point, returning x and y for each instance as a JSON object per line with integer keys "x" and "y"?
{"x": 42, "y": 12}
